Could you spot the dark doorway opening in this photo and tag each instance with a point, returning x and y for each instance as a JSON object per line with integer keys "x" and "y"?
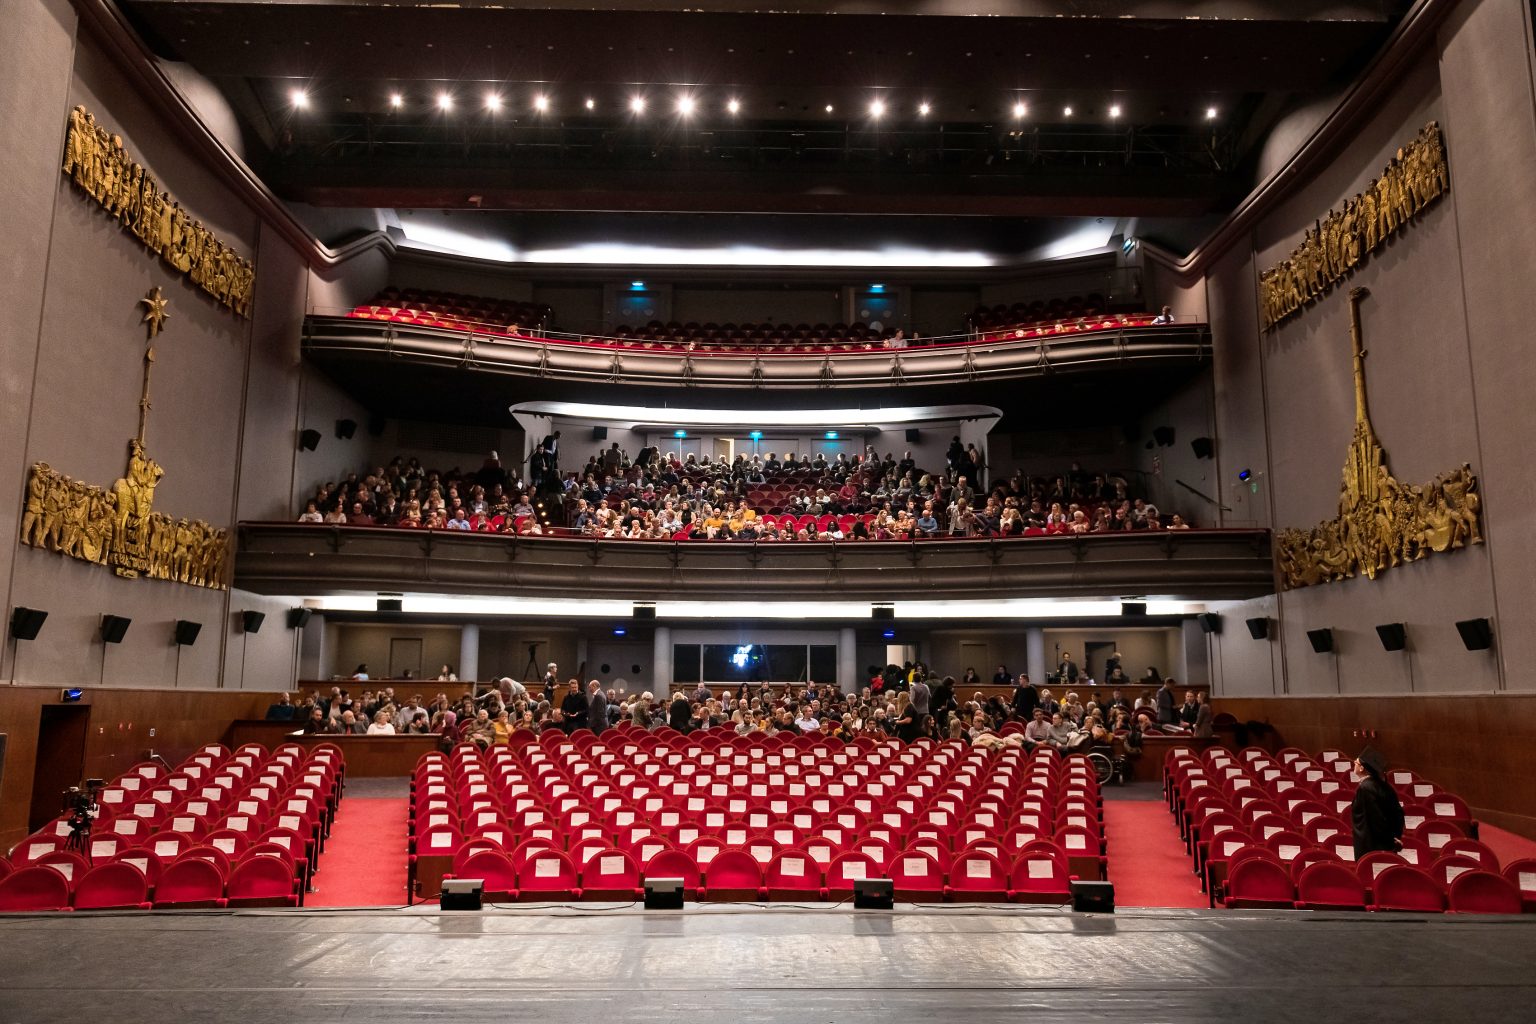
{"x": 60, "y": 759}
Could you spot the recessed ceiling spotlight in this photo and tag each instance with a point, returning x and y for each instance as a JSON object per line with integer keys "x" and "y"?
{"x": 1019, "y": 109}
{"x": 637, "y": 104}
{"x": 1114, "y": 111}
{"x": 299, "y": 98}
{"x": 591, "y": 103}
{"x": 923, "y": 110}
{"x": 492, "y": 101}
{"x": 734, "y": 106}
{"x": 1066, "y": 111}
{"x": 829, "y": 108}
{"x": 396, "y": 100}
{"x": 541, "y": 103}
{"x": 1210, "y": 113}
{"x": 444, "y": 101}
{"x": 685, "y": 105}
{"x": 877, "y": 108}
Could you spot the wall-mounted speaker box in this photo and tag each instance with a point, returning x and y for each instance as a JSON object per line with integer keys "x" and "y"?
{"x": 309, "y": 440}
{"x": 298, "y": 618}
{"x": 1133, "y": 607}
{"x": 390, "y": 604}
{"x": 643, "y": 611}
{"x": 882, "y": 612}
{"x": 1203, "y": 447}
{"x": 1092, "y": 897}
{"x": 914, "y": 435}
{"x": 1210, "y": 622}
{"x": 114, "y": 628}
{"x": 186, "y": 632}
{"x": 25, "y": 622}
{"x": 345, "y": 429}
{"x": 1394, "y": 636}
{"x": 1258, "y": 628}
{"x": 1321, "y": 640}
{"x": 1476, "y": 634}
{"x": 599, "y": 433}
{"x": 1163, "y": 435}
{"x": 250, "y": 622}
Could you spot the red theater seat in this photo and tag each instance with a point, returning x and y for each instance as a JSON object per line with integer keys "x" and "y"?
{"x": 34, "y": 888}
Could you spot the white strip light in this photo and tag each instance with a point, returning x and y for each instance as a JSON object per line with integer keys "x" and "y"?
{"x": 572, "y": 608}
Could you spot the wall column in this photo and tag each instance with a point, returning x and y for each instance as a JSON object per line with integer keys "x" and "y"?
{"x": 847, "y": 660}
{"x": 1034, "y": 654}
{"x": 469, "y": 652}
{"x": 661, "y": 663}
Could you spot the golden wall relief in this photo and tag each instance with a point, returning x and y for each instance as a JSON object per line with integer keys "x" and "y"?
{"x": 1416, "y": 176}
{"x": 102, "y": 169}
{"x": 1381, "y": 523}
{"x": 117, "y": 526}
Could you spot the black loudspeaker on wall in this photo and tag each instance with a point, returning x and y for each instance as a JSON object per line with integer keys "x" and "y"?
{"x": 599, "y": 433}
{"x": 114, "y": 628}
{"x": 250, "y": 622}
{"x": 1133, "y": 607}
{"x": 1203, "y": 447}
{"x": 1210, "y": 622}
{"x": 298, "y": 618}
{"x": 345, "y": 429}
{"x": 390, "y": 604}
{"x": 1321, "y": 640}
{"x": 1476, "y": 634}
{"x": 309, "y": 440}
{"x": 186, "y": 632}
{"x": 1258, "y": 628}
{"x": 25, "y": 622}
{"x": 1394, "y": 636}
{"x": 1163, "y": 435}
{"x": 643, "y": 612}
{"x": 882, "y": 612}
{"x": 914, "y": 435}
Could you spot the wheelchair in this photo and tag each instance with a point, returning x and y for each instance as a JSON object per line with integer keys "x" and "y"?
{"x": 1108, "y": 766}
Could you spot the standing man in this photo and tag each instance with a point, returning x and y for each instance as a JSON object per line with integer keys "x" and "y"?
{"x": 574, "y": 708}
{"x": 597, "y": 707}
{"x": 920, "y": 697}
{"x": 1167, "y": 706}
{"x": 1376, "y": 814}
{"x": 551, "y": 681}
{"x": 1025, "y": 698}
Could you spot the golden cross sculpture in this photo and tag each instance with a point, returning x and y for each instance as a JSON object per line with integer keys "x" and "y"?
{"x": 155, "y": 314}
{"x": 144, "y": 406}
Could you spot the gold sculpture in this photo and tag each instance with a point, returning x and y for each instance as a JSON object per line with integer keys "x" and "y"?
{"x": 154, "y": 313}
{"x": 118, "y": 526}
{"x": 102, "y": 169}
{"x": 1381, "y": 523}
{"x": 1416, "y": 176}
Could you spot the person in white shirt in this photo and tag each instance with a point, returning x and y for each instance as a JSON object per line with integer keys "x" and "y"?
{"x": 1165, "y": 317}
{"x": 807, "y": 722}
{"x": 381, "y": 725}
{"x": 311, "y": 514}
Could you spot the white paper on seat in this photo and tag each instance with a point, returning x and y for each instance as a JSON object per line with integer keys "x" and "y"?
{"x": 1077, "y": 821}
{"x": 978, "y": 869}
{"x": 881, "y": 834}
{"x": 761, "y": 854}
{"x": 1307, "y": 816}
{"x": 1527, "y": 881}
{"x": 226, "y": 844}
{"x": 649, "y": 850}
{"x": 40, "y": 849}
{"x": 705, "y": 854}
{"x": 1270, "y": 830}
{"x": 973, "y": 834}
{"x": 1454, "y": 871}
{"x": 985, "y": 818}
{"x": 1288, "y": 852}
{"x": 248, "y": 807}
{"x": 914, "y": 866}
{"x": 546, "y": 867}
{"x": 167, "y": 848}
{"x": 1422, "y": 789}
{"x": 1345, "y": 851}
{"x": 139, "y": 862}
{"x": 610, "y": 865}
{"x": 1075, "y": 842}
{"x": 1041, "y": 868}
{"x": 113, "y": 796}
{"x": 131, "y": 783}
{"x": 1445, "y": 808}
{"x": 126, "y": 826}
{"x": 145, "y": 810}
{"x": 853, "y": 870}
{"x": 1380, "y": 866}
{"x": 735, "y": 836}
{"x": 1438, "y": 839}
{"x": 1401, "y": 778}
{"x": 1325, "y": 834}
{"x": 183, "y": 824}
{"x": 286, "y": 842}
{"x": 439, "y": 840}
{"x": 833, "y": 833}
{"x": 103, "y": 848}
{"x": 1228, "y": 849}
{"x": 1411, "y": 821}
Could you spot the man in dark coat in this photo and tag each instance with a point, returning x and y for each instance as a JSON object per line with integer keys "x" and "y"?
{"x": 1377, "y": 814}
{"x": 574, "y": 708}
{"x": 680, "y": 713}
{"x": 1025, "y": 698}
{"x": 597, "y": 707}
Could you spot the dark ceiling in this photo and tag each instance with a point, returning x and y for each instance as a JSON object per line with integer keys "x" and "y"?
{"x": 1165, "y": 65}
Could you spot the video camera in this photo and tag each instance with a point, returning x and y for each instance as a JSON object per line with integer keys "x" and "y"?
{"x": 79, "y": 802}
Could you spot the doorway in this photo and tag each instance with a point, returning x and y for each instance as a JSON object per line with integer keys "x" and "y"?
{"x": 405, "y": 656}
{"x": 1095, "y": 654}
{"x": 60, "y": 759}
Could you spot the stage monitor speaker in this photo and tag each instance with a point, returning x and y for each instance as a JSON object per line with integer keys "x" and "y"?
{"x": 1394, "y": 636}
{"x": 1203, "y": 447}
{"x": 298, "y": 618}
{"x": 1092, "y": 897}
{"x": 1321, "y": 640}
{"x": 643, "y": 612}
{"x": 874, "y": 894}
{"x": 25, "y": 622}
{"x": 1210, "y": 622}
{"x": 1476, "y": 634}
{"x": 1133, "y": 607}
{"x": 309, "y": 440}
{"x": 186, "y": 632}
{"x": 882, "y": 612}
{"x": 1258, "y": 628}
{"x": 1163, "y": 436}
{"x": 390, "y": 604}
{"x": 462, "y": 894}
{"x": 599, "y": 433}
{"x": 345, "y": 429}
{"x": 114, "y": 628}
{"x": 250, "y": 622}
{"x": 663, "y": 894}
{"x": 914, "y": 435}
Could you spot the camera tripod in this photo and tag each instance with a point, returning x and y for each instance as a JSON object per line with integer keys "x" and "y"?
{"x": 531, "y": 670}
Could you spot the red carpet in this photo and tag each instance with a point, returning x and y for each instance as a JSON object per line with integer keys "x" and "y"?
{"x": 364, "y": 860}
{"x": 1507, "y": 845}
{"x": 1147, "y": 862}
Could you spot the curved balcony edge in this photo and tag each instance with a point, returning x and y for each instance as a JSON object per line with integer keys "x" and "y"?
{"x": 293, "y": 559}
{"x": 1009, "y": 359}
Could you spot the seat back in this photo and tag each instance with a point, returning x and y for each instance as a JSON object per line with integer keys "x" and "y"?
{"x": 1258, "y": 880}
{"x": 263, "y": 880}
{"x": 112, "y": 886}
{"x": 978, "y": 871}
{"x": 34, "y": 888}
{"x": 610, "y": 870}
{"x": 1483, "y": 892}
{"x": 733, "y": 871}
{"x": 1330, "y": 883}
{"x": 1401, "y": 887}
{"x": 190, "y": 881}
{"x": 674, "y": 864}
{"x": 546, "y": 871}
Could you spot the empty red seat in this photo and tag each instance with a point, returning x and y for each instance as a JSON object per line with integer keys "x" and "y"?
{"x": 733, "y": 875}
{"x": 1483, "y": 892}
{"x": 1329, "y": 885}
{"x": 34, "y": 888}
{"x": 547, "y": 875}
{"x": 610, "y": 874}
{"x": 262, "y": 882}
{"x": 1259, "y": 882}
{"x": 190, "y": 883}
{"x": 1401, "y": 887}
{"x": 115, "y": 886}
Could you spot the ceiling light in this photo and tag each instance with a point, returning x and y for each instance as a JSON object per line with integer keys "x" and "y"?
{"x": 877, "y": 108}
{"x": 1019, "y": 109}
{"x": 734, "y": 106}
{"x": 444, "y": 101}
{"x": 637, "y": 104}
{"x": 1066, "y": 111}
{"x": 1210, "y": 113}
{"x": 492, "y": 101}
{"x": 299, "y": 98}
{"x": 685, "y": 105}
{"x": 396, "y": 100}
{"x": 829, "y": 108}
{"x": 1114, "y": 111}
{"x": 923, "y": 109}
{"x": 591, "y": 102}
{"x": 541, "y": 103}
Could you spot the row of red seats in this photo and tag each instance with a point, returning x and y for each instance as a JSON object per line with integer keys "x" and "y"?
{"x": 1259, "y": 882}
{"x": 266, "y": 877}
{"x": 1039, "y": 309}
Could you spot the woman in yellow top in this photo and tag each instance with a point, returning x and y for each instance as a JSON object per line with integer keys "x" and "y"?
{"x": 501, "y": 728}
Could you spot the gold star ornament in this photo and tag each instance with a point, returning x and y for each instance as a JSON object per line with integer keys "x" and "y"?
{"x": 155, "y": 314}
